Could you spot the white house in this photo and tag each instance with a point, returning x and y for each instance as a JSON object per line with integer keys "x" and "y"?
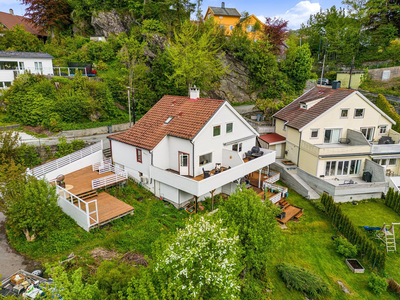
{"x": 13, "y": 63}
{"x": 181, "y": 140}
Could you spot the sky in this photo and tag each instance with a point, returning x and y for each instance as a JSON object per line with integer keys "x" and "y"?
{"x": 294, "y": 11}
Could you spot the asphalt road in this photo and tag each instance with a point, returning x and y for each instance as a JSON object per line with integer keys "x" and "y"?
{"x": 10, "y": 260}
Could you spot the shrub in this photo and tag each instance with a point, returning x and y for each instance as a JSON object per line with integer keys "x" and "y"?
{"x": 153, "y": 26}
{"x": 344, "y": 247}
{"x": 319, "y": 206}
{"x": 302, "y": 280}
{"x": 377, "y": 284}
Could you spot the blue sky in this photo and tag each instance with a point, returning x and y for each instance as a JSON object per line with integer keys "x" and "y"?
{"x": 295, "y": 11}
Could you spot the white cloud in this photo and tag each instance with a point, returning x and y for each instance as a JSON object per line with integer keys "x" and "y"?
{"x": 299, "y": 14}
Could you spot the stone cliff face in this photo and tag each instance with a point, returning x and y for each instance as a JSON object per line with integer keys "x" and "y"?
{"x": 105, "y": 23}
{"x": 235, "y": 85}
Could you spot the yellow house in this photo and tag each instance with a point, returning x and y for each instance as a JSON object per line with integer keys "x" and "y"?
{"x": 229, "y": 18}
{"x": 337, "y": 141}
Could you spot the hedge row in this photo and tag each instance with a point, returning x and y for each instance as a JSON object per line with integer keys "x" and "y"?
{"x": 366, "y": 247}
{"x": 393, "y": 200}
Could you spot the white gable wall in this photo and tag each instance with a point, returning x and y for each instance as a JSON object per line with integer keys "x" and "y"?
{"x": 205, "y": 142}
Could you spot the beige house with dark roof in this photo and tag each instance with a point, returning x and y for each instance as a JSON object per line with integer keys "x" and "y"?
{"x": 339, "y": 142}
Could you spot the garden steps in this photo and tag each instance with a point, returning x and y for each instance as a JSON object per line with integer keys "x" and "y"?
{"x": 87, "y": 195}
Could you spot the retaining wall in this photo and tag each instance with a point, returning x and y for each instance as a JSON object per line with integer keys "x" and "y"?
{"x": 289, "y": 180}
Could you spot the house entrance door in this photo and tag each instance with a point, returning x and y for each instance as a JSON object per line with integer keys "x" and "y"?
{"x": 183, "y": 163}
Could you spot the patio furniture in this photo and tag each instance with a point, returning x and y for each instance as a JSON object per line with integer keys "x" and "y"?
{"x": 385, "y": 140}
{"x": 217, "y": 168}
{"x": 206, "y": 174}
{"x": 254, "y": 152}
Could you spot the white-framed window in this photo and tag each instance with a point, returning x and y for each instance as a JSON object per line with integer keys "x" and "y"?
{"x": 368, "y": 132}
{"x": 284, "y": 126}
{"x": 386, "y": 162}
{"x": 221, "y": 17}
{"x": 168, "y": 120}
{"x": 332, "y": 135}
{"x": 344, "y": 113}
{"x": 314, "y": 133}
{"x": 217, "y": 130}
{"x": 382, "y": 129}
{"x": 237, "y": 147}
{"x": 392, "y": 162}
{"x": 229, "y": 127}
{"x": 303, "y": 106}
{"x": 343, "y": 167}
{"x": 205, "y": 159}
{"x": 250, "y": 28}
{"x": 38, "y": 66}
{"x": 359, "y": 113}
{"x": 231, "y": 27}
{"x": 222, "y": 26}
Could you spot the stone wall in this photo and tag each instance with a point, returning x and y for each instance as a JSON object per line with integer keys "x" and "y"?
{"x": 376, "y": 74}
{"x": 94, "y": 131}
{"x": 48, "y": 152}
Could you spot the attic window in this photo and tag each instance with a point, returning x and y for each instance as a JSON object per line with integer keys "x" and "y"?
{"x": 303, "y": 106}
{"x": 168, "y": 120}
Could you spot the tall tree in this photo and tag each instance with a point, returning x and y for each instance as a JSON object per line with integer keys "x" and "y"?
{"x": 276, "y": 32}
{"x": 49, "y": 14}
{"x": 255, "y": 223}
{"x": 195, "y": 57}
{"x": 18, "y": 39}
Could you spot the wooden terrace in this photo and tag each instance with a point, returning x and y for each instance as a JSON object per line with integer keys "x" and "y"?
{"x": 109, "y": 208}
{"x": 290, "y": 212}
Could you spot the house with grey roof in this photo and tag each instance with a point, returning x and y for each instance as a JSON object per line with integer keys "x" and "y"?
{"x": 338, "y": 142}
{"x": 13, "y": 63}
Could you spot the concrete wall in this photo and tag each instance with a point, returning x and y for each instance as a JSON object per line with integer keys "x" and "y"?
{"x": 356, "y": 137}
{"x": 377, "y": 171}
{"x": 94, "y": 131}
{"x": 289, "y": 180}
{"x": 376, "y": 74}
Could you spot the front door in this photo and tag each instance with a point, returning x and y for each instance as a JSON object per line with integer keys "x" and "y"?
{"x": 183, "y": 163}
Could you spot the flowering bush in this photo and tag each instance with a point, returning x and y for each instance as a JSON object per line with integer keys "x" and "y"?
{"x": 202, "y": 259}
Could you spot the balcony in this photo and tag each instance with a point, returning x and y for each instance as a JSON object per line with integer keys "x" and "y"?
{"x": 335, "y": 150}
{"x": 199, "y": 185}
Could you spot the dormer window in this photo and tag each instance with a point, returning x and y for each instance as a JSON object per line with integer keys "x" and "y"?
{"x": 168, "y": 120}
{"x": 303, "y": 106}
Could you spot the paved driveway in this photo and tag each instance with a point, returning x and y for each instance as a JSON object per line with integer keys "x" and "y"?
{"x": 10, "y": 261}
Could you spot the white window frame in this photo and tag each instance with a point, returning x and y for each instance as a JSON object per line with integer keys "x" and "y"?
{"x": 381, "y": 127}
{"x": 239, "y": 147}
{"x": 284, "y": 126}
{"x": 341, "y": 112}
{"x": 226, "y": 124}
{"x": 372, "y": 135}
{"x": 231, "y": 27}
{"x": 355, "y": 111}
{"x": 209, "y": 162}
{"x": 250, "y": 28}
{"x": 311, "y": 132}
{"x": 222, "y": 26}
{"x": 358, "y": 163}
{"x": 220, "y": 130}
{"x": 340, "y": 136}
{"x": 303, "y": 106}
{"x": 392, "y": 165}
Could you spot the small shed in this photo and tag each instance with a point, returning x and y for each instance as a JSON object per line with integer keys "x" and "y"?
{"x": 356, "y": 78}
{"x": 275, "y": 142}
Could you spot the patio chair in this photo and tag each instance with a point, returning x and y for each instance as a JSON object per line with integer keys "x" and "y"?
{"x": 206, "y": 174}
{"x": 217, "y": 168}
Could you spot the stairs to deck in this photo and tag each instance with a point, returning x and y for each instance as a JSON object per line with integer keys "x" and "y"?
{"x": 107, "y": 152}
{"x": 87, "y": 195}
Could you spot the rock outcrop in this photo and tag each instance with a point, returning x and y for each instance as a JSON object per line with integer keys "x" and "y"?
{"x": 105, "y": 23}
{"x": 235, "y": 85}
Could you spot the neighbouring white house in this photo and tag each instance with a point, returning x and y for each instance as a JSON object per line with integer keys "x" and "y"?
{"x": 186, "y": 148}
{"x": 13, "y": 63}
{"x": 337, "y": 141}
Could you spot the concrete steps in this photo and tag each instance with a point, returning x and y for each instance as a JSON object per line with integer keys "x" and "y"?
{"x": 312, "y": 194}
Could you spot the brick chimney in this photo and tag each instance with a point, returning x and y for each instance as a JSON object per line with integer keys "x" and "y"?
{"x": 11, "y": 11}
{"x": 194, "y": 93}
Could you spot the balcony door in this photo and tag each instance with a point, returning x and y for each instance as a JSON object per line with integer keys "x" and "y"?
{"x": 183, "y": 163}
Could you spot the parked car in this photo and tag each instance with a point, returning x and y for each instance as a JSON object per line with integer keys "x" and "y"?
{"x": 325, "y": 81}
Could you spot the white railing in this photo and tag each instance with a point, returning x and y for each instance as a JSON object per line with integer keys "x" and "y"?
{"x": 78, "y": 209}
{"x": 56, "y": 71}
{"x": 281, "y": 191}
{"x": 39, "y": 171}
{"x": 109, "y": 180}
{"x": 101, "y": 164}
{"x": 275, "y": 176}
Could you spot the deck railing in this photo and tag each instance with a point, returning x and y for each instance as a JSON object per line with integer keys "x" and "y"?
{"x": 78, "y": 209}
{"x": 282, "y": 191}
{"x": 101, "y": 164}
{"x": 109, "y": 180}
{"x": 39, "y": 171}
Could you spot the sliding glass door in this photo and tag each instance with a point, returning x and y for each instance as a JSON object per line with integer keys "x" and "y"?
{"x": 343, "y": 167}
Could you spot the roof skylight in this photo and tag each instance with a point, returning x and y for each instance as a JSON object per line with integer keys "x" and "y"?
{"x": 168, "y": 120}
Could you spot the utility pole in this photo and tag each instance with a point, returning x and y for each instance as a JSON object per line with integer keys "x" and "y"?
{"x": 133, "y": 106}
{"x": 319, "y": 48}
{"x": 129, "y": 106}
{"x": 351, "y": 71}
{"x": 323, "y": 66}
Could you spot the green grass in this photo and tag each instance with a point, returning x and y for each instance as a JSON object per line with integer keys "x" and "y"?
{"x": 374, "y": 213}
{"x": 308, "y": 244}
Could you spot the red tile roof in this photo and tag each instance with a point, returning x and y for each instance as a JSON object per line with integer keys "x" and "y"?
{"x": 272, "y": 138}
{"x": 297, "y": 117}
{"x": 189, "y": 117}
{"x": 10, "y": 21}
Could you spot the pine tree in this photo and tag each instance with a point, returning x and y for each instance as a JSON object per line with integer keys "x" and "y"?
{"x": 388, "y": 196}
{"x": 369, "y": 251}
{"x": 396, "y": 204}
{"x": 374, "y": 257}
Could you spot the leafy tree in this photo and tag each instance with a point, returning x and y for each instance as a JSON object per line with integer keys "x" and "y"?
{"x": 18, "y": 39}
{"x": 276, "y": 32}
{"x": 255, "y": 223}
{"x": 202, "y": 259}
{"x": 70, "y": 287}
{"x": 297, "y": 66}
{"x": 50, "y": 14}
{"x": 30, "y": 206}
{"x": 345, "y": 248}
{"x": 388, "y": 109}
{"x": 9, "y": 144}
{"x": 377, "y": 284}
{"x": 196, "y": 59}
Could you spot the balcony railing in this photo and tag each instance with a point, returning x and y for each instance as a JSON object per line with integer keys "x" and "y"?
{"x": 56, "y": 71}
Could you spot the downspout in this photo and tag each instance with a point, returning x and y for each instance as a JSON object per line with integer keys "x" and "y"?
{"x": 151, "y": 163}
{"x": 298, "y": 155}
{"x": 192, "y": 157}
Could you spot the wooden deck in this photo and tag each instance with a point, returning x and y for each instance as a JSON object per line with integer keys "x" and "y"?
{"x": 109, "y": 208}
{"x": 290, "y": 210}
{"x": 80, "y": 181}
{"x": 212, "y": 173}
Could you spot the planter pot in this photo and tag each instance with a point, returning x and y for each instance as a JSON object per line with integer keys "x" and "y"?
{"x": 355, "y": 266}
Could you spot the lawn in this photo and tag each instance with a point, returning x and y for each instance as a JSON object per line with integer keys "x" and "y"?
{"x": 308, "y": 244}
{"x": 374, "y": 213}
